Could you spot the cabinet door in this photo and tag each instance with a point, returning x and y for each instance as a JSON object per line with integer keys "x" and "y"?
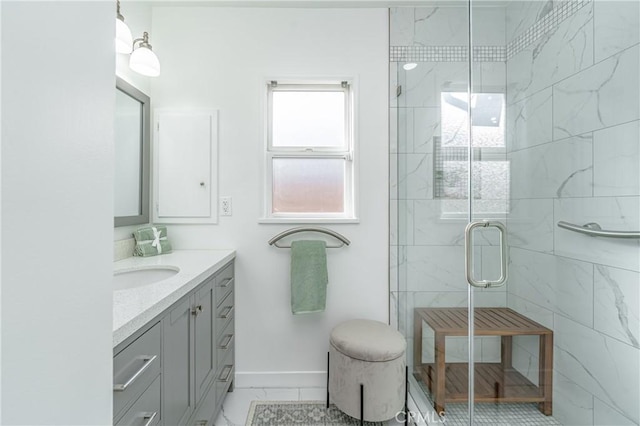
{"x": 178, "y": 390}
{"x": 186, "y": 186}
{"x": 204, "y": 350}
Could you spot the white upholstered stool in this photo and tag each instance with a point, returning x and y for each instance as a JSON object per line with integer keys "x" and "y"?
{"x": 367, "y": 356}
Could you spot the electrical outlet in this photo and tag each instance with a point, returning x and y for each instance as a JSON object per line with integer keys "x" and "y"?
{"x": 225, "y": 206}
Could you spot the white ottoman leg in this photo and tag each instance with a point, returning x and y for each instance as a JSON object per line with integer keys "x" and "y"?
{"x": 384, "y": 386}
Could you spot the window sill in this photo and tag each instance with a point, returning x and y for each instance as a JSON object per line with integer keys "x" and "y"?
{"x": 285, "y": 220}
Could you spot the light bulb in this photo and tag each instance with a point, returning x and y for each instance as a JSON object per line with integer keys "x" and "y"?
{"x": 124, "y": 39}
{"x": 409, "y": 66}
{"x": 145, "y": 62}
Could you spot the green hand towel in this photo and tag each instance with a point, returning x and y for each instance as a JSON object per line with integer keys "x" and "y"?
{"x": 151, "y": 241}
{"x": 309, "y": 276}
{"x": 146, "y": 233}
{"x": 146, "y": 249}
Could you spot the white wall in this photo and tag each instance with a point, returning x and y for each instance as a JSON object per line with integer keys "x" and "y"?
{"x": 57, "y": 203}
{"x": 218, "y": 58}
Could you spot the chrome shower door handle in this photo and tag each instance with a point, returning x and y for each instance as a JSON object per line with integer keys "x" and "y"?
{"x": 468, "y": 255}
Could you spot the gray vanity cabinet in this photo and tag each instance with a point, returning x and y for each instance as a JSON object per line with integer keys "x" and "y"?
{"x": 204, "y": 350}
{"x": 192, "y": 333}
{"x": 186, "y": 360}
{"x": 178, "y": 340}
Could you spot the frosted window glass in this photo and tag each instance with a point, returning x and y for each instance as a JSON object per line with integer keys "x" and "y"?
{"x": 314, "y": 119}
{"x": 304, "y": 185}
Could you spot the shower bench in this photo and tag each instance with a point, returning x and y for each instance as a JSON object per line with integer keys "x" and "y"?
{"x": 493, "y": 382}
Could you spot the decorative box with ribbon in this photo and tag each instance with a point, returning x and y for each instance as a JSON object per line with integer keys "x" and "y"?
{"x": 151, "y": 241}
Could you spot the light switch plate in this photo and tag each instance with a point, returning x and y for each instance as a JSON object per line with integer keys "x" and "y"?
{"x": 225, "y": 206}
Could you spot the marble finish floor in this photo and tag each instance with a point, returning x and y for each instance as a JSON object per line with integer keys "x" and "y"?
{"x": 236, "y": 405}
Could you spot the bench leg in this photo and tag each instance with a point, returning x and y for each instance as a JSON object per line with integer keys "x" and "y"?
{"x": 417, "y": 344}
{"x": 506, "y": 354}
{"x": 439, "y": 376}
{"x": 546, "y": 373}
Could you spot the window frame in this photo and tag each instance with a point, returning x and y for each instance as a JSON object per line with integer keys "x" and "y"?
{"x": 345, "y": 152}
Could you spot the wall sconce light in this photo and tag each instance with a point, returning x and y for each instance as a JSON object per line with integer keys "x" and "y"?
{"x": 124, "y": 39}
{"x": 143, "y": 60}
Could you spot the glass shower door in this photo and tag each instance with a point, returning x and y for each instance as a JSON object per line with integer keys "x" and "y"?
{"x": 552, "y": 90}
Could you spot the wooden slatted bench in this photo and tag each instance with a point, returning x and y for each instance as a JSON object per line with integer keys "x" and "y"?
{"x": 494, "y": 382}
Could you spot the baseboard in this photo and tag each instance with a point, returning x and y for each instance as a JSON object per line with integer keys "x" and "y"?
{"x": 280, "y": 379}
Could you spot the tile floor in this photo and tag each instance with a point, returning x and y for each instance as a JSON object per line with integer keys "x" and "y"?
{"x": 236, "y": 405}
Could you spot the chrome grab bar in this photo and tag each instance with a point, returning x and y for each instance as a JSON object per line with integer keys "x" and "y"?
{"x": 468, "y": 246}
{"x": 594, "y": 230}
{"x": 343, "y": 240}
{"x": 147, "y": 360}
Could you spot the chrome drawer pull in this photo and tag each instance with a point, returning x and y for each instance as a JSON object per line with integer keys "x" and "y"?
{"x": 229, "y": 369}
{"x": 197, "y": 310}
{"x": 227, "y": 312}
{"x": 150, "y": 417}
{"x": 148, "y": 360}
{"x": 226, "y": 344}
{"x": 225, "y": 283}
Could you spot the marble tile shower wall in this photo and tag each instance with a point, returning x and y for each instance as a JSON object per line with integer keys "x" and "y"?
{"x": 427, "y": 250}
{"x": 573, "y": 141}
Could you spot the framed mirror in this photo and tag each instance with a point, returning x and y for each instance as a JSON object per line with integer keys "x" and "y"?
{"x": 132, "y": 136}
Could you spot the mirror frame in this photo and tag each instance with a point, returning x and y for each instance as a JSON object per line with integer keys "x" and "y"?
{"x": 145, "y": 171}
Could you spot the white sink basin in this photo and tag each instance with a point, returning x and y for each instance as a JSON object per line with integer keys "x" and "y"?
{"x": 131, "y": 278}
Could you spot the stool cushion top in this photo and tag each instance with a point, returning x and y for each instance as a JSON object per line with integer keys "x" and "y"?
{"x": 368, "y": 340}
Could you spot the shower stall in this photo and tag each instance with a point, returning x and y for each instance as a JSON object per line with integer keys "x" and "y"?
{"x": 515, "y": 209}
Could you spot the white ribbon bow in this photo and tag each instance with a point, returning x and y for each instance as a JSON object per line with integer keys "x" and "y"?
{"x": 156, "y": 239}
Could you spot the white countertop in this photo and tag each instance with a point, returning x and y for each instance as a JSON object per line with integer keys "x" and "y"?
{"x": 133, "y": 308}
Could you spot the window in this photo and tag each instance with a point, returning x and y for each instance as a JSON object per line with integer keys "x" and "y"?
{"x": 490, "y": 169}
{"x": 309, "y": 152}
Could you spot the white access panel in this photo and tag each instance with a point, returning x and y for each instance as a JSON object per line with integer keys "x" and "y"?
{"x": 185, "y": 154}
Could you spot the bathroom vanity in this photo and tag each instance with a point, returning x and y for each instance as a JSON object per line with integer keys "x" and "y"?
{"x": 174, "y": 340}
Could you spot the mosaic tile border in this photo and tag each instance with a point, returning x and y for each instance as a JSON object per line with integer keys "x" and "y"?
{"x": 547, "y": 23}
{"x": 492, "y": 414}
{"x": 489, "y": 53}
{"x": 446, "y": 53}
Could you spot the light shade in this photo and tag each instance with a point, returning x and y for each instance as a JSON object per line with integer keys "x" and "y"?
{"x": 124, "y": 39}
{"x": 145, "y": 62}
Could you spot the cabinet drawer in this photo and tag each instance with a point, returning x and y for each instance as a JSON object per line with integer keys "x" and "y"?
{"x": 224, "y": 283}
{"x": 224, "y": 378}
{"x": 146, "y": 410}
{"x": 135, "y": 367}
{"x": 224, "y": 314}
{"x": 225, "y": 344}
